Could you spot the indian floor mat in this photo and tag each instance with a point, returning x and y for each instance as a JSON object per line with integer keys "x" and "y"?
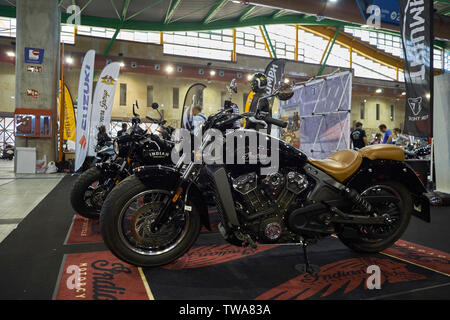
{"x": 213, "y": 269}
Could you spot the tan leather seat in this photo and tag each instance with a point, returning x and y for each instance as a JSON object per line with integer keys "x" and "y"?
{"x": 382, "y": 151}
{"x": 340, "y": 165}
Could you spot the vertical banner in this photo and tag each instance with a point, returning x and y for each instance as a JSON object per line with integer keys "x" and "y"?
{"x": 275, "y": 76}
{"x": 416, "y": 26}
{"x": 318, "y": 115}
{"x": 84, "y": 108}
{"x": 102, "y": 103}
{"x": 69, "y": 114}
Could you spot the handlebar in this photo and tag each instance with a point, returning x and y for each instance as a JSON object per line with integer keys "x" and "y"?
{"x": 275, "y": 122}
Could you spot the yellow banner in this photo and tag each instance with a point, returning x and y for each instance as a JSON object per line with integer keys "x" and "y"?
{"x": 69, "y": 114}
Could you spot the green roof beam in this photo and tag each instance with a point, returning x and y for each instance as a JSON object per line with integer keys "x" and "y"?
{"x": 171, "y": 10}
{"x": 144, "y": 9}
{"x": 247, "y": 12}
{"x": 126, "y": 4}
{"x": 219, "y": 5}
{"x": 279, "y": 13}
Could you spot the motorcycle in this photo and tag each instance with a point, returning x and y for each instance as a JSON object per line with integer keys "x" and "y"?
{"x": 8, "y": 152}
{"x": 130, "y": 150}
{"x": 365, "y": 197}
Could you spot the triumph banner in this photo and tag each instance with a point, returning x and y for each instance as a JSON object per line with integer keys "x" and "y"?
{"x": 416, "y": 26}
{"x": 318, "y": 115}
{"x": 275, "y": 76}
{"x": 84, "y": 108}
{"x": 102, "y": 103}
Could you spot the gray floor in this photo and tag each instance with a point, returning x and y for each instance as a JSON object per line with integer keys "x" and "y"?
{"x": 20, "y": 193}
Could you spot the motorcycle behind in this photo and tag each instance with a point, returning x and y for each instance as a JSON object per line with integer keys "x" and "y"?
{"x": 129, "y": 151}
{"x": 366, "y": 197}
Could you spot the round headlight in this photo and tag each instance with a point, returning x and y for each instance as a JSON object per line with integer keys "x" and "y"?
{"x": 116, "y": 147}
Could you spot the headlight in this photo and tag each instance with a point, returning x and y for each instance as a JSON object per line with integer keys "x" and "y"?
{"x": 116, "y": 147}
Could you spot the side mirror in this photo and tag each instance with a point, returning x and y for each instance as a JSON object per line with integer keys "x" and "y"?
{"x": 285, "y": 92}
{"x": 155, "y": 105}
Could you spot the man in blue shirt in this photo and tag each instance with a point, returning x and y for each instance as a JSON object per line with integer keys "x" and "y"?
{"x": 387, "y": 139}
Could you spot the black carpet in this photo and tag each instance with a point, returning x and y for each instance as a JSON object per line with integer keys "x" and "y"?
{"x": 31, "y": 254}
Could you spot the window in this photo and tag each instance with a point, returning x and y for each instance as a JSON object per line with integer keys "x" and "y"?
{"x": 176, "y": 97}
{"x": 362, "y": 110}
{"x": 123, "y": 94}
{"x": 223, "y": 97}
{"x": 392, "y": 112}
{"x": 378, "y": 112}
{"x": 149, "y": 96}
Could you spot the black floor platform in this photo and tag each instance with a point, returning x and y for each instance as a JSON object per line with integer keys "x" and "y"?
{"x": 35, "y": 260}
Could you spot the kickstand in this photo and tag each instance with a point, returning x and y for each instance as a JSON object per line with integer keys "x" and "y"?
{"x": 306, "y": 267}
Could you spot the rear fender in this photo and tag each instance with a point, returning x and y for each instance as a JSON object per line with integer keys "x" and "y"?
{"x": 160, "y": 175}
{"x": 397, "y": 171}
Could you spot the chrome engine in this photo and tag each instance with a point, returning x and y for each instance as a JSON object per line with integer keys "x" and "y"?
{"x": 262, "y": 204}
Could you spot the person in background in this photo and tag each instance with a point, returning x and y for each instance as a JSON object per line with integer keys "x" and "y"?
{"x": 198, "y": 117}
{"x": 377, "y": 139}
{"x": 358, "y": 138}
{"x": 123, "y": 131}
{"x": 102, "y": 136}
{"x": 387, "y": 139}
{"x": 402, "y": 139}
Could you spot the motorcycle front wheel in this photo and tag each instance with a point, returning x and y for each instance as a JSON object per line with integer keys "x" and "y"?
{"x": 126, "y": 218}
{"x": 88, "y": 193}
{"x": 376, "y": 238}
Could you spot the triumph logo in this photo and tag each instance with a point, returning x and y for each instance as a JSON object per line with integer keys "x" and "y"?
{"x": 415, "y": 104}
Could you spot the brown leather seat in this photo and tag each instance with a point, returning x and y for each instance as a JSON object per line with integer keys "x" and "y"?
{"x": 340, "y": 165}
{"x": 382, "y": 151}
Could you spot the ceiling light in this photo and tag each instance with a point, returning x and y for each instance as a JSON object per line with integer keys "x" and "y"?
{"x": 286, "y": 80}
{"x": 69, "y": 60}
{"x": 365, "y": 100}
{"x": 378, "y": 90}
{"x": 169, "y": 69}
{"x": 249, "y": 77}
{"x": 212, "y": 73}
{"x": 10, "y": 53}
{"x": 236, "y": 1}
{"x": 333, "y": 1}
{"x": 428, "y": 96}
{"x": 403, "y": 93}
{"x": 122, "y": 64}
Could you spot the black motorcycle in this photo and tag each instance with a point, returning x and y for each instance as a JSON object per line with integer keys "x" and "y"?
{"x": 8, "y": 152}
{"x": 366, "y": 197}
{"x": 136, "y": 148}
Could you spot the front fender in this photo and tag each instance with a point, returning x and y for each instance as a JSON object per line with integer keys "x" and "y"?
{"x": 159, "y": 175}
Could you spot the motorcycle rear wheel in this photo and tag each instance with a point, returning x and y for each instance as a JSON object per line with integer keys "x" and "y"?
{"x": 126, "y": 232}
{"x": 389, "y": 237}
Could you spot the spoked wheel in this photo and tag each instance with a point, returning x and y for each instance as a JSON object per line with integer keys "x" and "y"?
{"x": 126, "y": 219}
{"x": 136, "y": 219}
{"x": 375, "y": 238}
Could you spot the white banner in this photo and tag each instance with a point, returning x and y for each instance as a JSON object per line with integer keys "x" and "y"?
{"x": 84, "y": 108}
{"x": 103, "y": 102}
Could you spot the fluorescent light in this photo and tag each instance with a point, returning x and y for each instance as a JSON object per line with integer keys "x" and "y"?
{"x": 10, "y": 53}
{"x": 212, "y": 73}
{"x": 333, "y": 1}
{"x": 378, "y": 90}
{"x": 169, "y": 69}
{"x": 69, "y": 60}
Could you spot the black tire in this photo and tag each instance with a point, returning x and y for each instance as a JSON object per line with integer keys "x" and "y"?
{"x": 84, "y": 181}
{"x": 109, "y": 224}
{"x": 406, "y": 205}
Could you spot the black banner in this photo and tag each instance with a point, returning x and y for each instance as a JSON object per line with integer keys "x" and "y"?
{"x": 275, "y": 76}
{"x": 416, "y": 26}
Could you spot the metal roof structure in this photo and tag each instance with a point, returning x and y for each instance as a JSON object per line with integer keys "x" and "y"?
{"x": 200, "y": 15}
